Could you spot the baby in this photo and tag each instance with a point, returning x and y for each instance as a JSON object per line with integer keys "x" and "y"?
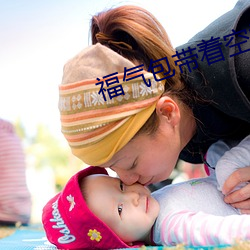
{"x": 96, "y": 211}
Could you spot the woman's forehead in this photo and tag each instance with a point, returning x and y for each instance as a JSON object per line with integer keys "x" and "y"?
{"x": 128, "y": 153}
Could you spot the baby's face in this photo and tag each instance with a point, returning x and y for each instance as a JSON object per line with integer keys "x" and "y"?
{"x": 130, "y": 211}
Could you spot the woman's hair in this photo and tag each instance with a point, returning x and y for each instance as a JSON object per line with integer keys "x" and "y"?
{"x": 137, "y": 35}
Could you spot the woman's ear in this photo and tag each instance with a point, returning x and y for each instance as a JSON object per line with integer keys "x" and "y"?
{"x": 168, "y": 110}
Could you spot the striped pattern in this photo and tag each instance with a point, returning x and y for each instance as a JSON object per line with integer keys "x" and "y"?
{"x": 87, "y": 118}
{"x": 15, "y": 201}
{"x": 201, "y": 229}
{"x": 96, "y": 124}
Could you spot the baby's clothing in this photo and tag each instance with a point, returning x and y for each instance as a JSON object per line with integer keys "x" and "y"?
{"x": 194, "y": 212}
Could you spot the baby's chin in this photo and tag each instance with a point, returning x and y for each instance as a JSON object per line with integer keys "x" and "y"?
{"x": 153, "y": 209}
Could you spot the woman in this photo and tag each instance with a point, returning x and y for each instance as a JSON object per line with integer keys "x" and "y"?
{"x": 182, "y": 108}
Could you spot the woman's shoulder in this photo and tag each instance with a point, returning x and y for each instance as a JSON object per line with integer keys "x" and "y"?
{"x": 215, "y": 78}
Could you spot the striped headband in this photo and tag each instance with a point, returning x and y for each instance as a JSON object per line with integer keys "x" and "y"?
{"x": 101, "y": 109}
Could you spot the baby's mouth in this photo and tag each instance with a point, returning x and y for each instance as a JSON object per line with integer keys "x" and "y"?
{"x": 147, "y": 203}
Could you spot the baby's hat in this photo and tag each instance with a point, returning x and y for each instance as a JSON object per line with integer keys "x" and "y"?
{"x": 69, "y": 223}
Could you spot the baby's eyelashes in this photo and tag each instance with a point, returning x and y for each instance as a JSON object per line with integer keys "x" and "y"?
{"x": 120, "y": 207}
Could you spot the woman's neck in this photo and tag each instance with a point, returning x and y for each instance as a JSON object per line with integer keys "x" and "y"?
{"x": 187, "y": 125}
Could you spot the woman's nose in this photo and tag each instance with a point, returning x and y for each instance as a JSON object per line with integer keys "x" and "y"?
{"x": 126, "y": 177}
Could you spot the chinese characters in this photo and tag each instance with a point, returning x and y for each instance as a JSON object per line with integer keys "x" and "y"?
{"x": 211, "y": 53}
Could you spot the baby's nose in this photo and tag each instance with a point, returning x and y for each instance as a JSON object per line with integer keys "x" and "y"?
{"x": 133, "y": 197}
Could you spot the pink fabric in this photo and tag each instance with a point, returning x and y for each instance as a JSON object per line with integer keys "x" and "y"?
{"x": 206, "y": 168}
{"x": 201, "y": 229}
{"x": 15, "y": 200}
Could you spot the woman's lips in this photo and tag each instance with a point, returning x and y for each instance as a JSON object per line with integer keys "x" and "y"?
{"x": 148, "y": 183}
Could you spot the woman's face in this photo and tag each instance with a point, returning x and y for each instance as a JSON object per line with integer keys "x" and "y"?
{"x": 147, "y": 159}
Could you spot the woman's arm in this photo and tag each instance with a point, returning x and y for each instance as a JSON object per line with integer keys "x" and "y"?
{"x": 237, "y": 157}
{"x": 233, "y": 175}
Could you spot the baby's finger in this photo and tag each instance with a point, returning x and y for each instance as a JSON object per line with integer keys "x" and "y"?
{"x": 240, "y": 195}
{"x": 237, "y": 177}
{"x": 244, "y": 206}
{"x": 245, "y": 211}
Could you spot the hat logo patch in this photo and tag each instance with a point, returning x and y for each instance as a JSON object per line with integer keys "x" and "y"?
{"x": 94, "y": 235}
{"x": 72, "y": 203}
{"x": 60, "y": 224}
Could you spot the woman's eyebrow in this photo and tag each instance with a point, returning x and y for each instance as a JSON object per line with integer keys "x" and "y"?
{"x": 112, "y": 165}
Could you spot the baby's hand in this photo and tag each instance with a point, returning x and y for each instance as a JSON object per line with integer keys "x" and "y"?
{"x": 240, "y": 198}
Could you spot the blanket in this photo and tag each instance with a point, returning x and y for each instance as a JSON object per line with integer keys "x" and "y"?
{"x": 33, "y": 238}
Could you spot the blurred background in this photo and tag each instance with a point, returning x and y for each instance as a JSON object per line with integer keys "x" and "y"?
{"x": 36, "y": 40}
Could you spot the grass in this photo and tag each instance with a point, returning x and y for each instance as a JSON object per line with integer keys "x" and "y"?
{"x": 239, "y": 245}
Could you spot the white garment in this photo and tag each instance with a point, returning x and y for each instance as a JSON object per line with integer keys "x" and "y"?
{"x": 194, "y": 212}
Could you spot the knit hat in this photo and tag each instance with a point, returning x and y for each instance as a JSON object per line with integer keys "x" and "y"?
{"x": 69, "y": 223}
{"x": 104, "y": 100}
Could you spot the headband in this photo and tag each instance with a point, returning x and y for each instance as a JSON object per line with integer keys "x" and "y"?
{"x": 104, "y": 100}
